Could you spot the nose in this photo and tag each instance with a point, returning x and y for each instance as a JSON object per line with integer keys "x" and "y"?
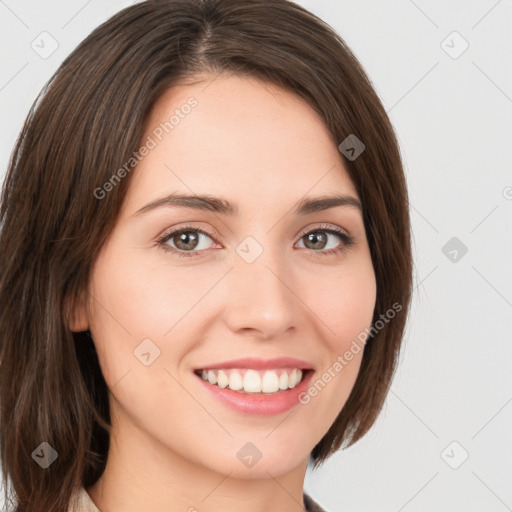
{"x": 260, "y": 298}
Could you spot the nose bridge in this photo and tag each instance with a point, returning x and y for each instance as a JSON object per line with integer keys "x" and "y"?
{"x": 259, "y": 295}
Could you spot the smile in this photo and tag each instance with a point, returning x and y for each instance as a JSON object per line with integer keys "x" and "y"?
{"x": 245, "y": 380}
{"x": 254, "y": 386}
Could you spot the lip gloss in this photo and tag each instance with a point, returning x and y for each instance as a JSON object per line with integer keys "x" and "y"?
{"x": 257, "y": 404}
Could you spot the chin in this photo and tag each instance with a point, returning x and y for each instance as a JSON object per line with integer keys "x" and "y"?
{"x": 259, "y": 460}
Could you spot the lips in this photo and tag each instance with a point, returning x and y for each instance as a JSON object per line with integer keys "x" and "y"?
{"x": 257, "y": 386}
{"x": 260, "y": 364}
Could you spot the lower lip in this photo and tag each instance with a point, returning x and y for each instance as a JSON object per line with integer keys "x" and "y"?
{"x": 259, "y": 405}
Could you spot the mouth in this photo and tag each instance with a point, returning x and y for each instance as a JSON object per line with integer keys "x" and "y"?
{"x": 257, "y": 387}
{"x": 254, "y": 382}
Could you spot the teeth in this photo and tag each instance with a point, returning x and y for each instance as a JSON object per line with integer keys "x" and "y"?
{"x": 254, "y": 381}
{"x": 212, "y": 377}
{"x": 235, "y": 382}
{"x": 283, "y": 381}
{"x": 270, "y": 382}
{"x": 293, "y": 379}
{"x": 222, "y": 379}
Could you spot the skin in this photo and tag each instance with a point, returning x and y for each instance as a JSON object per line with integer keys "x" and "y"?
{"x": 173, "y": 446}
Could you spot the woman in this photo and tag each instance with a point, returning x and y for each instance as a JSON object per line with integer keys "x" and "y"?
{"x": 206, "y": 263}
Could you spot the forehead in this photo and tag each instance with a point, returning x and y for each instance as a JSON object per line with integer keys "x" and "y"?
{"x": 243, "y": 138}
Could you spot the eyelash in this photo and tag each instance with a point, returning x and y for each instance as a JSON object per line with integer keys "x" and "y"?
{"x": 347, "y": 240}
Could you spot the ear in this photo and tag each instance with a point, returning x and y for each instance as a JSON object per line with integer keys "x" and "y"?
{"x": 76, "y": 315}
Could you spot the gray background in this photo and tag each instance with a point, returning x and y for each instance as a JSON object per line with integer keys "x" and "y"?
{"x": 452, "y": 395}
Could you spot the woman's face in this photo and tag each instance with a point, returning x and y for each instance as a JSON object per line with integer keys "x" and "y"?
{"x": 261, "y": 281}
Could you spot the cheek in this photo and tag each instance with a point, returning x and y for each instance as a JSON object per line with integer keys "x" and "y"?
{"x": 144, "y": 296}
{"x": 136, "y": 299}
{"x": 346, "y": 302}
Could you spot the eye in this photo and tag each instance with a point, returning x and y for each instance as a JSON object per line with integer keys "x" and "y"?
{"x": 318, "y": 240}
{"x": 189, "y": 241}
{"x": 185, "y": 241}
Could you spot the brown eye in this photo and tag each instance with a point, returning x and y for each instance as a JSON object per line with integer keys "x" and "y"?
{"x": 186, "y": 240}
{"x": 315, "y": 240}
{"x": 318, "y": 240}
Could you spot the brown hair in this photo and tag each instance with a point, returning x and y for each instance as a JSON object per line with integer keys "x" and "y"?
{"x": 88, "y": 121}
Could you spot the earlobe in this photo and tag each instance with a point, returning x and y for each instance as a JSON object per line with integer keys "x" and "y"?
{"x": 78, "y": 323}
{"x": 76, "y": 316}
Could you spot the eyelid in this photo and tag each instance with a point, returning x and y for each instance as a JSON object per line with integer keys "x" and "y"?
{"x": 324, "y": 226}
{"x": 212, "y": 235}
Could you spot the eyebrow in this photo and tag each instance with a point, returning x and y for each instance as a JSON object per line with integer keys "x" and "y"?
{"x": 219, "y": 205}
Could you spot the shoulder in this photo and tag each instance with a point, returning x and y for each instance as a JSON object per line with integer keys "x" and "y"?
{"x": 311, "y": 505}
{"x": 81, "y": 502}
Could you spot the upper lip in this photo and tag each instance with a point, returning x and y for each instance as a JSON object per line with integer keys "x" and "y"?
{"x": 260, "y": 364}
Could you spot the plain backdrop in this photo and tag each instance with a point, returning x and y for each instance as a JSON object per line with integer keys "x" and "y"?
{"x": 443, "y": 71}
